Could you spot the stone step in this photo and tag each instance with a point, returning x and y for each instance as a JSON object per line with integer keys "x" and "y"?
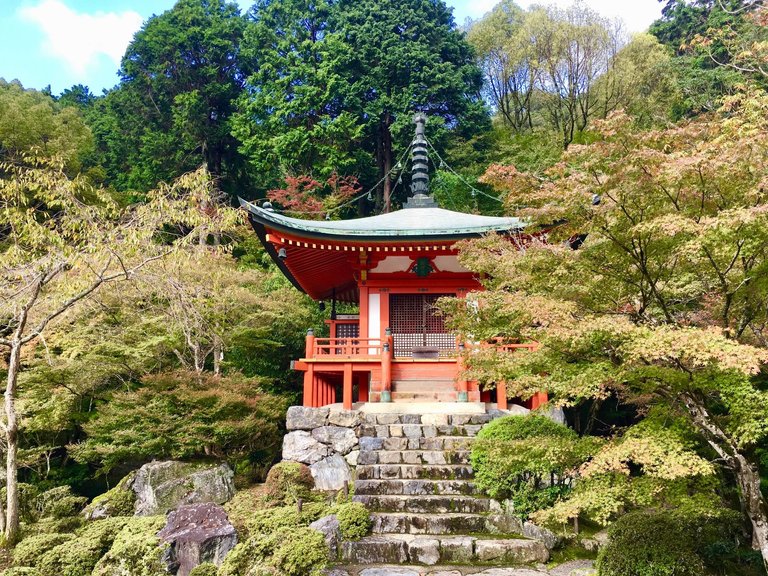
{"x": 449, "y": 570}
{"x": 433, "y": 504}
{"x": 426, "y": 419}
{"x": 413, "y": 431}
{"x": 415, "y": 487}
{"x": 435, "y": 549}
{"x": 457, "y": 456}
{"x": 415, "y": 471}
{"x": 423, "y": 409}
{"x": 450, "y": 523}
{"x": 398, "y": 444}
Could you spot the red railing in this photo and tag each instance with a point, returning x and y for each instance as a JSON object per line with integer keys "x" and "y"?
{"x": 346, "y": 347}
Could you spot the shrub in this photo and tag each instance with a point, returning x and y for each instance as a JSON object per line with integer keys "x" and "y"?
{"x": 136, "y": 550}
{"x": 78, "y": 556}
{"x": 527, "y": 459}
{"x": 354, "y": 520}
{"x": 20, "y": 571}
{"x": 59, "y": 502}
{"x": 287, "y": 482}
{"x": 119, "y": 501}
{"x": 300, "y": 552}
{"x": 668, "y": 543}
{"x": 29, "y": 550}
{"x": 28, "y": 494}
{"x": 206, "y": 569}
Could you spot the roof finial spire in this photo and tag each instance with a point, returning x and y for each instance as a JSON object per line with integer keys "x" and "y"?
{"x": 420, "y": 174}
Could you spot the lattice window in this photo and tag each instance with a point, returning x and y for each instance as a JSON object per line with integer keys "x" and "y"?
{"x": 347, "y": 330}
{"x": 417, "y": 324}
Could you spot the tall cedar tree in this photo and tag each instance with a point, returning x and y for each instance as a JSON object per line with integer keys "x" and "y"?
{"x": 180, "y": 78}
{"x": 339, "y": 77}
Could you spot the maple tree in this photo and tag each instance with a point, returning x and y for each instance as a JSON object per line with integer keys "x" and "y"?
{"x": 651, "y": 287}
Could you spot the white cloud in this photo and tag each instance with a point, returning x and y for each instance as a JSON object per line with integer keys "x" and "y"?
{"x": 80, "y": 38}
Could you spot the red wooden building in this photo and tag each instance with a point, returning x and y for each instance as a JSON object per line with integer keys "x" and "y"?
{"x": 394, "y": 266}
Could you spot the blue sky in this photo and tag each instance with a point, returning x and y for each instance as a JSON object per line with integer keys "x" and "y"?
{"x": 67, "y": 42}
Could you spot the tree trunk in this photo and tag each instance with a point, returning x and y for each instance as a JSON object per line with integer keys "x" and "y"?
{"x": 11, "y": 438}
{"x": 747, "y": 476}
{"x": 218, "y": 355}
{"x": 385, "y": 161}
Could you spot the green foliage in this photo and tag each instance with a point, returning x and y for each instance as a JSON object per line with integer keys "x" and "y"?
{"x": 20, "y": 571}
{"x": 60, "y": 503}
{"x": 28, "y": 551}
{"x": 32, "y": 120}
{"x": 528, "y": 459}
{"x": 354, "y": 520}
{"x": 78, "y": 556}
{"x": 136, "y": 550}
{"x": 206, "y": 569}
{"x": 180, "y": 77}
{"x": 300, "y": 552}
{"x": 183, "y": 416}
{"x": 287, "y": 482}
{"x": 663, "y": 543}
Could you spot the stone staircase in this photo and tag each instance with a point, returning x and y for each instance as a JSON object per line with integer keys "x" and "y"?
{"x": 413, "y": 474}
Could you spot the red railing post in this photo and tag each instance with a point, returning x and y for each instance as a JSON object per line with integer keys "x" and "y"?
{"x": 501, "y": 395}
{"x": 309, "y": 375}
{"x": 386, "y": 367}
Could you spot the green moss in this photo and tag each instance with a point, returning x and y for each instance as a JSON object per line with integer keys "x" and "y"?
{"x": 300, "y": 552}
{"x": 270, "y": 520}
{"x": 136, "y": 550}
{"x": 287, "y": 482}
{"x": 119, "y": 501}
{"x": 68, "y": 525}
{"x": 28, "y": 551}
{"x": 78, "y": 556}
{"x": 60, "y": 502}
{"x": 20, "y": 571}
{"x": 354, "y": 520}
{"x": 206, "y": 569}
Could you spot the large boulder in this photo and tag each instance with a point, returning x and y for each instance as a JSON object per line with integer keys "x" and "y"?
{"x": 196, "y": 534}
{"x": 300, "y": 446}
{"x": 331, "y": 473}
{"x": 163, "y": 486}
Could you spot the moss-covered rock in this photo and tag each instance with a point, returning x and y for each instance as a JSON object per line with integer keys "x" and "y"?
{"x": 136, "y": 550}
{"x": 163, "y": 486}
{"x": 68, "y": 525}
{"x": 299, "y": 552}
{"x": 119, "y": 501}
{"x": 30, "y": 549}
{"x": 78, "y": 556}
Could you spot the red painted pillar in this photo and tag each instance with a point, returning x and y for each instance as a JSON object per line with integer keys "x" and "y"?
{"x": 538, "y": 399}
{"x": 347, "y": 386}
{"x": 362, "y": 387}
{"x": 501, "y": 395}
{"x": 462, "y": 384}
{"x": 309, "y": 375}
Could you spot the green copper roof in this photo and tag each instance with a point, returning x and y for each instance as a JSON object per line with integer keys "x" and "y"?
{"x": 408, "y": 223}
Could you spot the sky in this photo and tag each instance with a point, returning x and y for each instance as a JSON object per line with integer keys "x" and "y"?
{"x": 66, "y": 42}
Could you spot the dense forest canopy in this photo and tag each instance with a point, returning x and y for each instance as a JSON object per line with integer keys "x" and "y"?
{"x": 140, "y": 318}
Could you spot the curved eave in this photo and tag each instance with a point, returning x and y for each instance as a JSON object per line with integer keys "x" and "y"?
{"x": 421, "y": 224}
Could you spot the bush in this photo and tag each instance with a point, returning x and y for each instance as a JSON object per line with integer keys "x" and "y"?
{"x": 59, "y": 502}
{"x": 206, "y": 569}
{"x": 20, "y": 571}
{"x": 287, "y": 482}
{"x": 29, "y": 550}
{"x": 136, "y": 550}
{"x": 354, "y": 520}
{"x": 300, "y": 552}
{"x": 667, "y": 543}
{"x": 526, "y": 459}
{"x": 78, "y": 556}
